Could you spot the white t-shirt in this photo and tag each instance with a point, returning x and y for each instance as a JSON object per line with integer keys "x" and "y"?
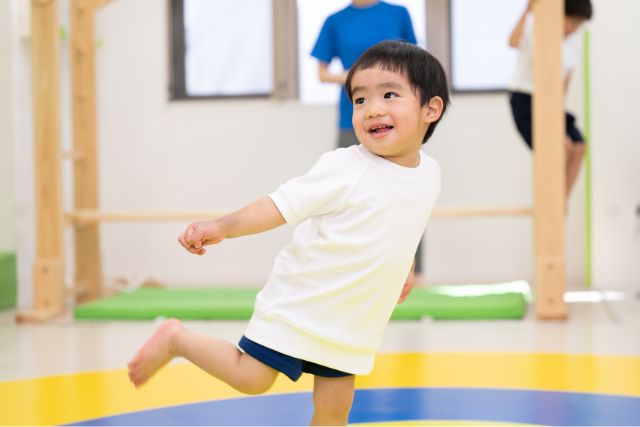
{"x": 522, "y": 79}
{"x": 332, "y": 290}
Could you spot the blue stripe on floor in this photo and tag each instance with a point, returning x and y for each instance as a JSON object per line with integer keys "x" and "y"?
{"x": 402, "y": 404}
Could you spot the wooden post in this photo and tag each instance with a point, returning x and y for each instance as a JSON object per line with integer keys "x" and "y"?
{"x": 48, "y": 269}
{"x": 88, "y": 264}
{"x": 439, "y": 31}
{"x": 286, "y": 46}
{"x": 549, "y": 154}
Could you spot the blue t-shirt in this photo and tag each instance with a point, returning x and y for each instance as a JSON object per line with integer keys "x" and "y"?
{"x": 349, "y": 32}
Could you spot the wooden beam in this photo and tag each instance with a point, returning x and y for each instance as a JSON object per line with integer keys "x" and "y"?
{"x": 285, "y": 49}
{"x": 88, "y": 264}
{"x": 84, "y": 217}
{"x": 439, "y": 31}
{"x": 549, "y": 163}
{"x": 481, "y": 212}
{"x": 48, "y": 275}
{"x": 88, "y": 216}
{"x": 36, "y": 316}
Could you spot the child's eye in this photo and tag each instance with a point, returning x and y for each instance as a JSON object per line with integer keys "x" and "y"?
{"x": 390, "y": 95}
{"x": 358, "y": 101}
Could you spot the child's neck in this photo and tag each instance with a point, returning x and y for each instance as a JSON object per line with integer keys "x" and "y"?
{"x": 409, "y": 160}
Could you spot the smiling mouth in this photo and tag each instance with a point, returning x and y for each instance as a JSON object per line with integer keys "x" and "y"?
{"x": 379, "y": 130}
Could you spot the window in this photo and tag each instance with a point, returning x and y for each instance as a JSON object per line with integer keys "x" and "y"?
{"x": 249, "y": 48}
{"x": 222, "y": 48}
{"x": 481, "y": 59}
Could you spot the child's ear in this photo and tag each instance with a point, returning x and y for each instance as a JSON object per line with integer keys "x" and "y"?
{"x": 433, "y": 110}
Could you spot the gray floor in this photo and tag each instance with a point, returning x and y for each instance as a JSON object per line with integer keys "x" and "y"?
{"x": 64, "y": 346}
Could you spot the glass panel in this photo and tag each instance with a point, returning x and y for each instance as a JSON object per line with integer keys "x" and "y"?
{"x": 228, "y": 47}
{"x": 481, "y": 58}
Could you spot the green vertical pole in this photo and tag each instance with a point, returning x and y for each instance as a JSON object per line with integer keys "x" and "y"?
{"x": 587, "y": 185}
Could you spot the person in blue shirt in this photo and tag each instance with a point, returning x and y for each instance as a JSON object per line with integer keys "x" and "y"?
{"x": 345, "y": 35}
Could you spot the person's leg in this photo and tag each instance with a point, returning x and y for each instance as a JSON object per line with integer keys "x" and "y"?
{"x": 575, "y": 154}
{"x": 522, "y": 115}
{"x": 332, "y": 399}
{"x": 217, "y": 357}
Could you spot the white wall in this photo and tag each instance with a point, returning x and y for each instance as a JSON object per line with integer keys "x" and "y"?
{"x": 7, "y": 207}
{"x": 160, "y": 155}
{"x": 188, "y": 156}
{"x": 616, "y": 143}
{"x": 20, "y": 99}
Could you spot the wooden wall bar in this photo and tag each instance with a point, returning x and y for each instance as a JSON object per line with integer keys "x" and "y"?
{"x": 48, "y": 278}
{"x": 549, "y": 167}
{"x": 88, "y": 261}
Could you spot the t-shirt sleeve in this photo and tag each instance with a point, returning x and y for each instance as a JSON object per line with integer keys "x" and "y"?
{"x": 320, "y": 191}
{"x": 324, "y": 49}
{"x": 407, "y": 27}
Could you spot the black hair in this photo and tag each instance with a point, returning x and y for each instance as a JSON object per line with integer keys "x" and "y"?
{"x": 578, "y": 8}
{"x": 424, "y": 72}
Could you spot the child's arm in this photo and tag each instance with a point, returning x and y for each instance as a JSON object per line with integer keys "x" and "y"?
{"x": 516, "y": 34}
{"x": 408, "y": 284}
{"x": 261, "y": 215}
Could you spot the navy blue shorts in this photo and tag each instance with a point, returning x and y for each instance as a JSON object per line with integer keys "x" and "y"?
{"x": 290, "y": 366}
{"x": 521, "y": 110}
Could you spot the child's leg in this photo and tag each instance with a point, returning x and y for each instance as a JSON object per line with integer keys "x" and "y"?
{"x": 219, "y": 358}
{"x": 332, "y": 399}
{"x": 575, "y": 153}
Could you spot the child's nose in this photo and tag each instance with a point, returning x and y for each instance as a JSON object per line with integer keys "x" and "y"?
{"x": 374, "y": 109}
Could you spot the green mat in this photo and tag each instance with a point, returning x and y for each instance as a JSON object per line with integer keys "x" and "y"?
{"x": 500, "y": 301}
{"x": 8, "y": 282}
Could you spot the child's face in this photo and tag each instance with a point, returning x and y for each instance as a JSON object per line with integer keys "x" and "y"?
{"x": 387, "y": 116}
{"x": 572, "y": 24}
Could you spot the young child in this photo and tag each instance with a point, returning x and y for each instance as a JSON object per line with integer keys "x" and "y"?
{"x": 521, "y": 87}
{"x": 361, "y": 212}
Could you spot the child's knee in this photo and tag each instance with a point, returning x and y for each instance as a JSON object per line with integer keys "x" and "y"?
{"x": 252, "y": 387}
{"x": 254, "y": 381}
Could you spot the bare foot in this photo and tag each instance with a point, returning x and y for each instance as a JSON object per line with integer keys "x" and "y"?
{"x": 155, "y": 353}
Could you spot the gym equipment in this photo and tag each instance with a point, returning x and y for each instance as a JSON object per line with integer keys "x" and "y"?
{"x": 498, "y": 301}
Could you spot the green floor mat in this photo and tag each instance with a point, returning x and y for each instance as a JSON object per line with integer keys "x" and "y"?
{"x": 8, "y": 282}
{"x": 500, "y": 301}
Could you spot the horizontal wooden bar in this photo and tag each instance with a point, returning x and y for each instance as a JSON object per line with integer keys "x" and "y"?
{"x": 76, "y": 156}
{"x": 38, "y": 315}
{"x": 482, "y": 212}
{"x": 86, "y": 216}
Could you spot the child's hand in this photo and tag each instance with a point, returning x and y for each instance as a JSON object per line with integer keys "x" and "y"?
{"x": 199, "y": 234}
{"x": 408, "y": 285}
